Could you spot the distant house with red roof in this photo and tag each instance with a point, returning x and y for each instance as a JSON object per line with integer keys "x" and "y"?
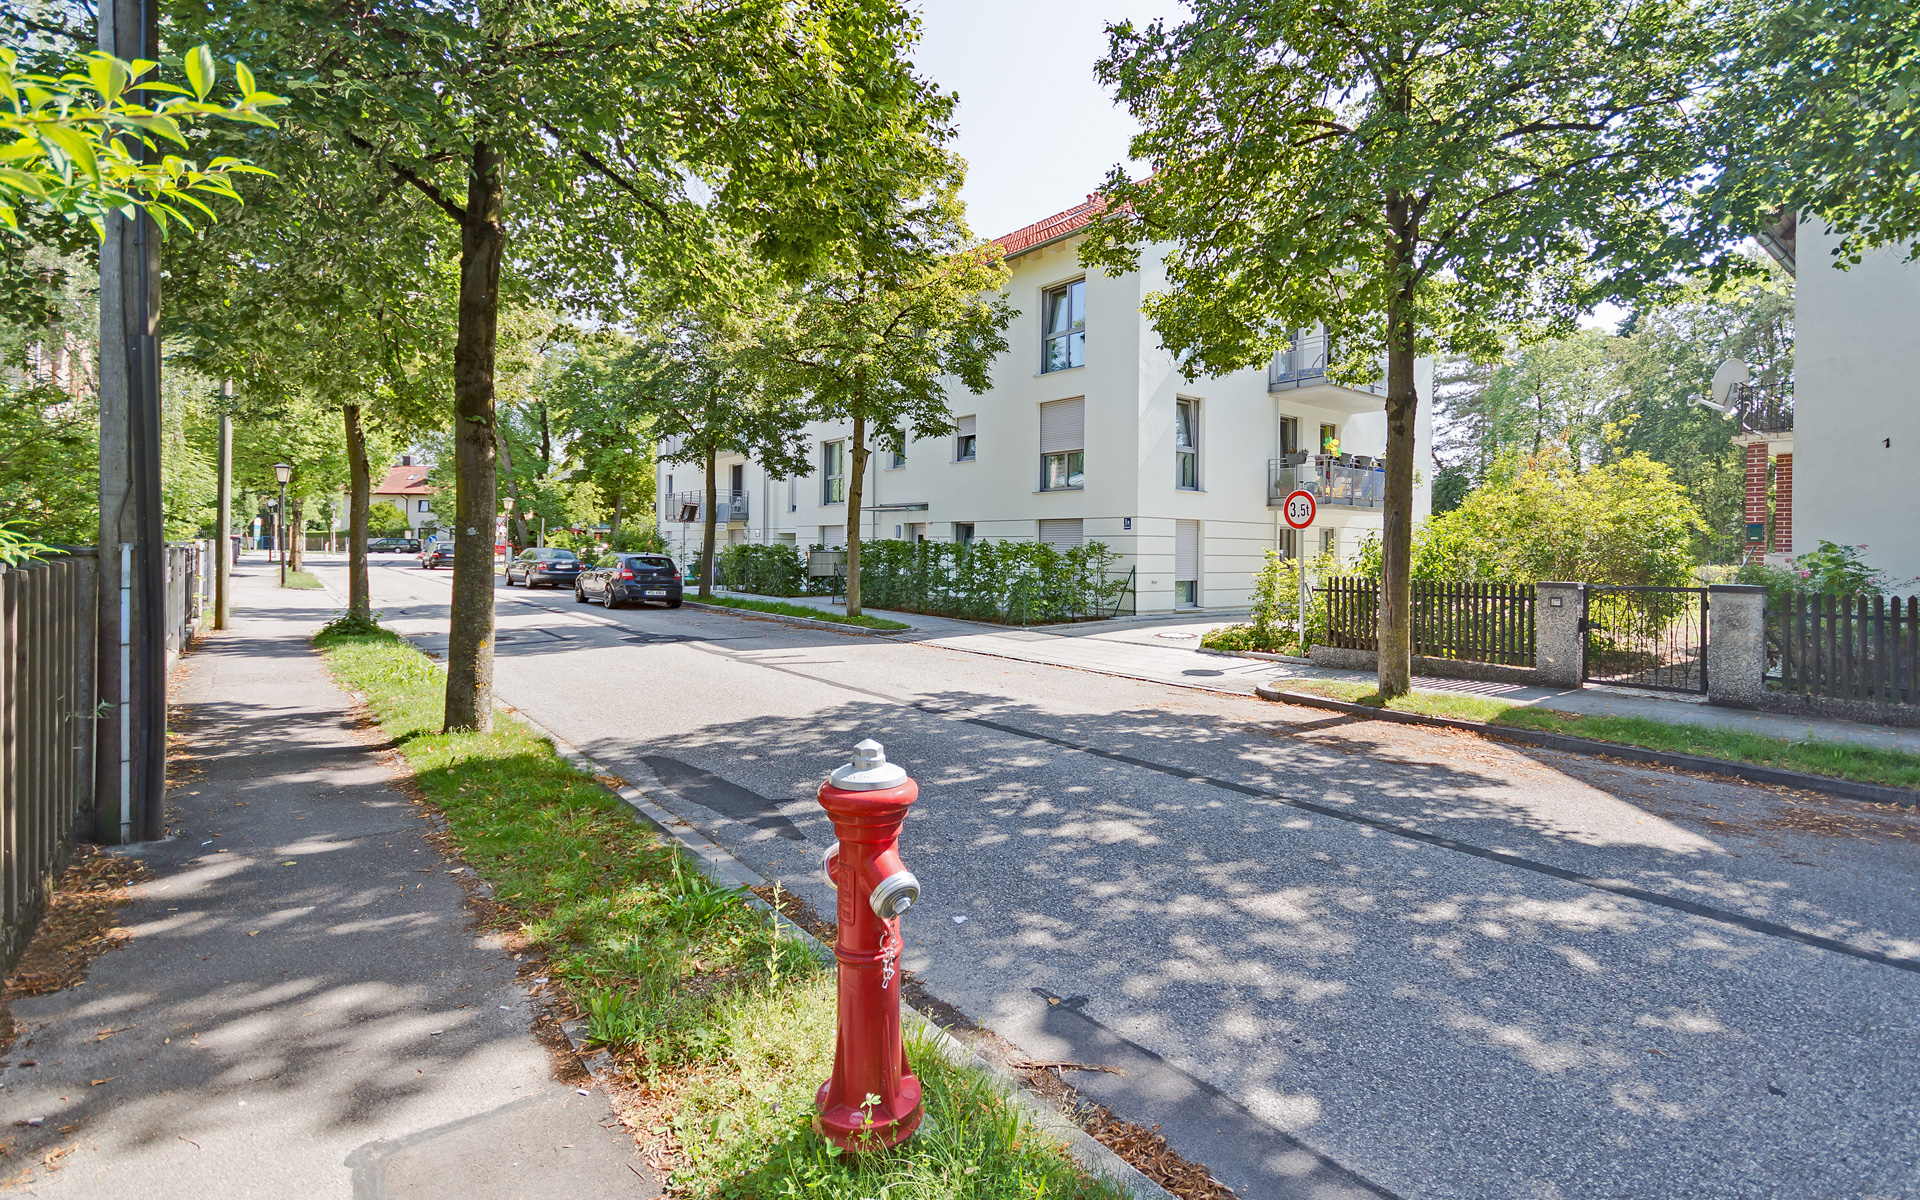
{"x": 407, "y": 489}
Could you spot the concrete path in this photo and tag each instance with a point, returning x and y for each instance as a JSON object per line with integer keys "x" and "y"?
{"x": 1335, "y": 958}
{"x": 1165, "y": 649}
{"x": 306, "y": 1007}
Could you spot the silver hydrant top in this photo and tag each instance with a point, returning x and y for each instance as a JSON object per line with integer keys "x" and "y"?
{"x": 869, "y": 771}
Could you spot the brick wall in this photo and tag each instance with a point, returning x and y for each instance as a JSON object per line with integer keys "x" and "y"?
{"x": 1783, "y": 504}
{"x": 1756, "y": 496}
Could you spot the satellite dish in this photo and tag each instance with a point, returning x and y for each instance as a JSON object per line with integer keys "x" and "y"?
{"x": 1725, "y": 376}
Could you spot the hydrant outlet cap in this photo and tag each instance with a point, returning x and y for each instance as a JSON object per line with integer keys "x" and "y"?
{"x": 869, "y": 771}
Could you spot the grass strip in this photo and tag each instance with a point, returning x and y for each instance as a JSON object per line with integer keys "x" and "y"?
{"x": 801, "y": 610}
{"x": 302, "y": 579}
{"x": 723, "y": 1024}
{"x": 1841, "y": 760}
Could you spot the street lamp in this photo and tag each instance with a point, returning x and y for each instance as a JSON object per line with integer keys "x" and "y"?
{"x": 283, "y": 472}
{"x": 527, "y": 518}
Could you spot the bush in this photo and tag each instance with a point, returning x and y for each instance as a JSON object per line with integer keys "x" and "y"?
{"x": 639, "y": 537}
{"x": 1628, "y": 522}
{"x": 386, "y": 520}
{"x": 775, "y": 569}
{"x": 1018, "y": 583}
{"x": 1274, "y": 628}
{"x": 1827, "y": 570}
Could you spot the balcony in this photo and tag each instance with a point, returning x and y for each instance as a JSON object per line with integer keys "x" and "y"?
{"x": 1762, "y": 410}
{"x": 1302, "y": 370}
{"x": 1348, "y": 480}
{"x": 686, "y": 506}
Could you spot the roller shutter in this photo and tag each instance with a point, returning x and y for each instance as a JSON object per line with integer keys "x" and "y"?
{"x": 1063, "y": 425}
{"x": 833, "y": 537}
{"x": 1186, "y": 551}
{"x": 966, "y": 425}
{"x": 1064, "y": 534}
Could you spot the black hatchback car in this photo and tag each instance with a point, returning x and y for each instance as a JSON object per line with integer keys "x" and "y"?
{"x": 618, "y": 578}
{"x": 551, "y": 566}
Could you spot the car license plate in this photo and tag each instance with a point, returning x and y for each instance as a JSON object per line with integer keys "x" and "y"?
{"x": 656, "y": 591}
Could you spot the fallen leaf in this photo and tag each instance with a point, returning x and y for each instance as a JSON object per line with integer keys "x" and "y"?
{"x": 108, "y": 1079}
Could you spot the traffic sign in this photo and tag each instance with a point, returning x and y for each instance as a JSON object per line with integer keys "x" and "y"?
{"x": 1299, "y": 509}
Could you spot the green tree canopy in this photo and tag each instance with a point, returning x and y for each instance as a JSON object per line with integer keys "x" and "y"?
{"x": 1420, "y": 178}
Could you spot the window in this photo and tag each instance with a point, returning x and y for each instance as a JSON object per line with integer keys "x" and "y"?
{"x": 1329, "y": 439}
{"x": 1064, "y": 310}
{"x": 1063, "y": 427}
{"x": 669, "y": 485}
{"x": 833, "y": 473}
{"x": 965, "y": 444}
{"x": 793, "y": 495}
{"x": 963, "y": 532}
{"x": 1186, "y": 444}
{"x": 1326, "y": 541}
{"x": 1289, "y": 543}
{"x": 422, "y": 507}
{"x": 737, "y": 480}
{"x": 898, "y": 458}
{"x": 1289, "y": 435}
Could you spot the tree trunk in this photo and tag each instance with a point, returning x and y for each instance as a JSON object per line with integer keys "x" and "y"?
{"x": 613, "y": 526}
{"x": 710, "y": 523}
{"x": 359, "y": 499}
{"x": 297, "y": 534}
{"x": 856, "y": 489}
{"x": 470, "y": 644}
{"x": 1395, "y": 664}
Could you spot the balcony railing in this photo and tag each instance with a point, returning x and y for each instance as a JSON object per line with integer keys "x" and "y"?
{"x": 1353, "y": 480}
{"x": 1304, "y": 363}
{"x": 1760, "y": 409}
{"x": 686, "y": 506}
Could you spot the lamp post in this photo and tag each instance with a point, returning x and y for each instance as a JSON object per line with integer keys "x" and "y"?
{"x": 282, "y": 472}
{"x": 526, "y": 518}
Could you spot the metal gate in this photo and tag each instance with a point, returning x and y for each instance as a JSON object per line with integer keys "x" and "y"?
{"x": 1647, "y": 637}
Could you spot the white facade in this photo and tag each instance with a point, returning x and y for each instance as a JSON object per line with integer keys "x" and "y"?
{"x": 1857, "y": 402}
{"x": 1129, "y": 495}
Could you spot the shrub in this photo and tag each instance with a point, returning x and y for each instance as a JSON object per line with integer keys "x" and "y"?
{"x": 1830, "y": 569}
{"x": 639, "y": 537}
{"x": 765, "y": 570}
{"x": 386, "y": 520}
{"x": 1274, "y": 627}
{"x": 1628, "y": 522}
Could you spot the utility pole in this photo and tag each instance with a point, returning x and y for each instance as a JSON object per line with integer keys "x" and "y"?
{"x": 131, "y": 779}
{"x": 223, "y": 566}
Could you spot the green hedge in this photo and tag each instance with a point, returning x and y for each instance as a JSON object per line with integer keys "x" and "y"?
{"x": 1017, "y": 583}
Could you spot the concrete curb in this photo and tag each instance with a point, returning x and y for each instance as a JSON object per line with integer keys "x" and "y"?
{"x": 1846, "y": 788}
{"x": 803, "y": 622}
{"x": 723, "y": 867}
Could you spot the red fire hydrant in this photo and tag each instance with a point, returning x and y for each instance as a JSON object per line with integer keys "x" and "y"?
{"x": 872, "y": 1102}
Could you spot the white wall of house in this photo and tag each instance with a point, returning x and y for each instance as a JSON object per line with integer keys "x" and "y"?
{"x": 1130, "y": 499}
{"x": 1857, "y": 403}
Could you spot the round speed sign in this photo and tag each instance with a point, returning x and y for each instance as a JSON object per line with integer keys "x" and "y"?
{"x": 1298, "y": 509}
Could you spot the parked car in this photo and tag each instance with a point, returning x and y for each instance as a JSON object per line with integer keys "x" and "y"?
{"x": 394, "y": 546}
{"x": 436, "y": 556}
{"x": 618, "y": 578}
{"x": 551, "y": 566}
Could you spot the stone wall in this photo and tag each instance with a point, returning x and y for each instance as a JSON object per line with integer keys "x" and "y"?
{"x": 1337, "y": 659}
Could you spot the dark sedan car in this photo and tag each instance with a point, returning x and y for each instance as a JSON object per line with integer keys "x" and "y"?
{"x": 550, "y": 566}
{"x": 618, "y": 578}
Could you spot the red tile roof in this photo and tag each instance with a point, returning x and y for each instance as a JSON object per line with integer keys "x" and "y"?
{"x": 1058, "y": 225}
{"x": 404, "y": 481}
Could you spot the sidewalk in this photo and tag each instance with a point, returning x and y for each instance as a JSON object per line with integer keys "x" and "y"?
{"x": 1164, "y": 649}
{"x": 305, "y": 1007}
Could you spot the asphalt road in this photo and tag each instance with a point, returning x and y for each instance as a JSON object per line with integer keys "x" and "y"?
{"x": 1335, "y": 958}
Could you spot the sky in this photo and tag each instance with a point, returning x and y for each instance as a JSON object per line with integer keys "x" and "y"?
{"x": 1037, "y": 132}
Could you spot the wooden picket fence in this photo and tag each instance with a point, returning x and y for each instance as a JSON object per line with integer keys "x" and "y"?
{"x": 1864, "y": 648}
{"x": 1469, "y": 622}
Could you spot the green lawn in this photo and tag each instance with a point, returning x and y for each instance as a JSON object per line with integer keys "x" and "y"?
{"x": 799, "y": 610}
{"x": 1842, "y": 760}
{"x": 302, "y": 579}
{"x": 725, "y": 1022}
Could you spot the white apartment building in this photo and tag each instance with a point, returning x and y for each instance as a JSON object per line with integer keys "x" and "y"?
{"x": 1856, "y": 401}
{"x": 1088, "y": 433}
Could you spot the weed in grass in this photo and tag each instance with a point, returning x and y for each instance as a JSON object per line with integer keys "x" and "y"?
{"x": 302, "y": 579}
{"x": 726, "y": 1024}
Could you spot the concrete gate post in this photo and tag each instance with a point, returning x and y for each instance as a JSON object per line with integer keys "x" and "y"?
{"x": 1736, "y": 644}
{"x": 1559, "y": 634}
